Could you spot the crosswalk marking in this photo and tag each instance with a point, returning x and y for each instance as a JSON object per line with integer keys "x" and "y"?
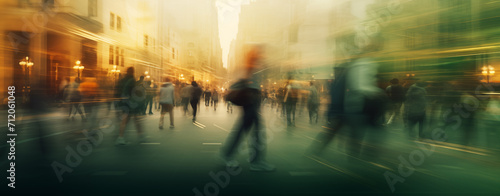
{"x": 198, "y": 124}
{"x": 212, "y": 144}
{"x": 221, "y": 128}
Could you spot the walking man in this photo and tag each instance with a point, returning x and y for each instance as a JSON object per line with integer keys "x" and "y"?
{"x": 167, "y": 100}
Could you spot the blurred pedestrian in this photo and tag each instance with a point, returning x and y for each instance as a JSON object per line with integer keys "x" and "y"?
{"x": 64, "y": 84}
{"x": 185, "y": 95}
{"x": 248, "y": 90}
{"x": 194, "y": 100}
{"x": 215, "y": 99}
{"x": 142, "y": 87}
{"x": 396, "y": 94}
{"x": 90, "y": 94}
{"x": 74, "y": 97}
{"x": 150, "y": 92}
{"x": 208, "y": 95}
{"x": 290, "y": 100}
{"x": 280, "y": 99}
{"x": 167, "y": 100}
{"x": 364, "y": 102}
{"x": 313, "y": 103}
{"x": 132, "y": 105}
{"x": 415, "y": 108}
{"x": 335, "y": 113}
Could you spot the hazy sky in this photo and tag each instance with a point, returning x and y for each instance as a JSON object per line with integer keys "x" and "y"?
{"x": 228, "y": 11}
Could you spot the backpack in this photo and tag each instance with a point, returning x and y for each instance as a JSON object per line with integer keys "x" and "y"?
{"x": 241, "y": 95}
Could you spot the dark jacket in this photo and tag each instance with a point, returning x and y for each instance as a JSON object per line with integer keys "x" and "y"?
{"x": 196, "y": 93}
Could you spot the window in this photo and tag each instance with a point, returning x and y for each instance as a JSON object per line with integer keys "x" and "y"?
{"x": 92, "y": 8}
{"x": 122, "y": 61}
{"x": 112, "y": 21}
{"x": 117, "y": 56}
{"x": 146, "y": 40}
{"x": 111, "y": 55}
{"x": 119, "y": 23}
{"x": 173, "y": 53}
{"x": 190, "y": 53}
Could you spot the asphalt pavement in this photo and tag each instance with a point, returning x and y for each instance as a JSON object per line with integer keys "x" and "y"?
{"x": 58, "y": 156}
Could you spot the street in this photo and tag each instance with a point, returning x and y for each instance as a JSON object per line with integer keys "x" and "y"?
{"x": 185, "y": 160}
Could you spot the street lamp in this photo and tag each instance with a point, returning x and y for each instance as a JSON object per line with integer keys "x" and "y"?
{"x": 78, "y": 67}
{"x": 26, "y": 64}
{"x": 488, "y": 71}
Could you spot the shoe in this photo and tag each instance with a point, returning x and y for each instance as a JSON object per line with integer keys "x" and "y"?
{"x": 172, "y": 126}
{"x": 151, "y": 113}
{"x": 121, "y": 141}
{"x": 160, "y": 127}
{"x": 262, "y": 166}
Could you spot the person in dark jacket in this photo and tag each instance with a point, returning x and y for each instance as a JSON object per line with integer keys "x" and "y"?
{"x": 396, "y": 94}
{"x": 313, "y": 103}
{"x": 196, "y": 93}
{"x": 208, "y": 95}
{"x": 415, "y": 108}
{"x": 150, "y": 93}
{"x": 132, "y": 105}
{"x": 251, "y": 107}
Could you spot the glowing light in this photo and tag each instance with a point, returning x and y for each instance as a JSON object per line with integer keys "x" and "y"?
{"x": 488, "y": 70}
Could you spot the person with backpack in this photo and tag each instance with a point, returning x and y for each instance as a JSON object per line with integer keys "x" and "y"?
{"x": 246, "y": 93}
{"x": 415, "y": 108}
{"x": 132, "y": 103}
{"x": 396, "y": 94}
